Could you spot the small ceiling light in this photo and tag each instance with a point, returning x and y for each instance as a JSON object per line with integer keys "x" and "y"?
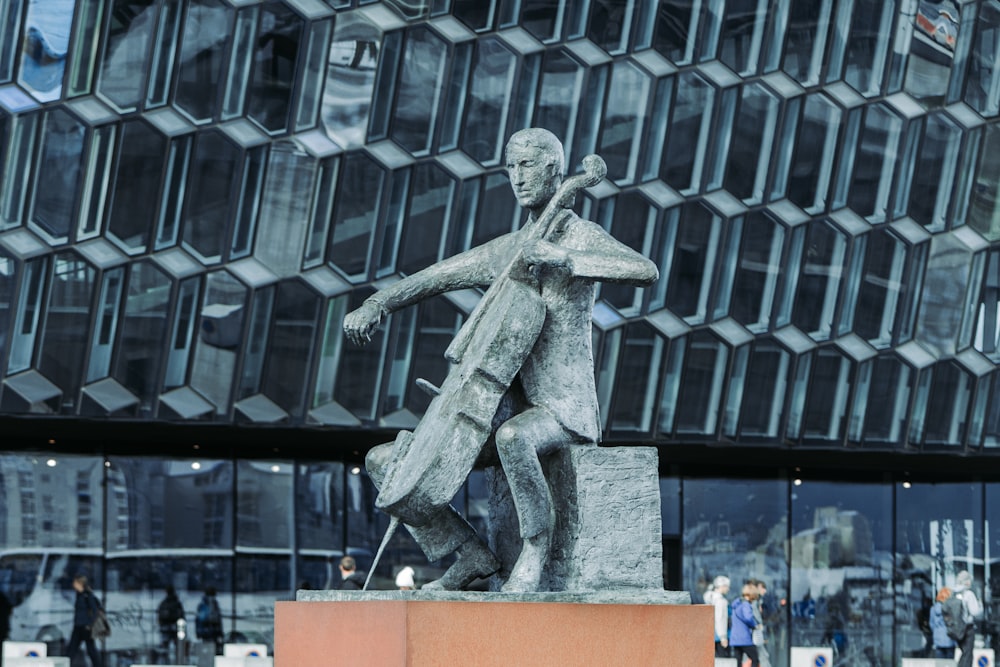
{"x": 797, "y": 482}
{"x": 356, "y": 470}
{"x": 52, "y": 441}
{"x": 195, "y": 466}
{"x": 275, "y": 468}
{"x": 906, "y": 484}
{"x": 51, "y": 463}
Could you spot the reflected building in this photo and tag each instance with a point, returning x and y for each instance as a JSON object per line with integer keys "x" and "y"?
{"x": 193, "y": 194}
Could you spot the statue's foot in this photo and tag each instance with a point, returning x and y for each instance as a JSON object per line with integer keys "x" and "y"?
{"x": 526, "y": 575}
{"x": 475, "y": 561}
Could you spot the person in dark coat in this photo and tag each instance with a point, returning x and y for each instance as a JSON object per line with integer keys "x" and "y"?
{"x": 85, "y": 610}
{"x": 351, "y": 578}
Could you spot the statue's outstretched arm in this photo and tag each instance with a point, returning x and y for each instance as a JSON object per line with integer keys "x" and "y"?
{"x": 477, "y": 267}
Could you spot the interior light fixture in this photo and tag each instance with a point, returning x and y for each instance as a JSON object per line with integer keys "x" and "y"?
{"x": 196, "y": 466}
{"x": 51, "y": 463}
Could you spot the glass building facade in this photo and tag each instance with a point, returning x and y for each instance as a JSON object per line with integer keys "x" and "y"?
{"x": 194, "y": 192}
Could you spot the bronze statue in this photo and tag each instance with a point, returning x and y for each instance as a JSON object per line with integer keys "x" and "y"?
{"x": 522, "y": 379}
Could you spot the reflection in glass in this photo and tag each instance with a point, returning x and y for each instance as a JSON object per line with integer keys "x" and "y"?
{"x": 46, "y": 44}
{"x": 738, "y": 528}
{"x": 810, "y": 172}
{"x": 129, "y": 35}
{"x": 67, "y": 323}
{"x": 8, "y": 282}
{"x": 742, "y": 35}
{"x": 805, "y": 45}
{"x": 946, "y": 408}
{"x": 141, "y": 158}
{"x": 819, "y": 281}
{"x": 876, "y": 157}
{"x": 841, "y": 590}
{"x": 694, "y": 252}
{"x": 934, "y": 172}
{"x": 10, "y": 14}
{"x": 881, "y": 286}
{"x": 58, "y": 173}
{"x": 264, "y": 504}
{"x": 752, "y": 140}
{"x": 290, "y": 346}
{"x": 17, "y": 139}
{"x": 437, "y": 323}
{"x": 163, "y": 59}
{"x": 421, "y": 87}
{"x": 359, "y": 376}
{"x": 829, "y": 386}
{"x": 275, "y": 55}
{"x": 320, "y": 507}
{"x": 939, "y": 532}
{"x": 611, "y": 24}
{"x": 330, "y": 349}
{"x": 756, "y": 277}
{"x": 624, "y": 121}
{"x": 432, "y": 196}
{"x": 350, "y": 78}
{"x": 559, "y": 95}
{"x": 982, "y": 87}
{"x": 764, "y": 390}
{"x": 987, "y": 337}
{"x": 884, "y": 388}
{"x": 699, "y": 403}
{"x": 105, "y": 325}
{"x": 933, "y": 38}
{"x": 688, "y": 134}
{"x": 209, "y": 198}
{"x": 494, "y": 71}
{"x": 28, "y": 317}
{"x": 861, "y": 37}
{"x": 143, "y": 336}
{"x": 356, "y": 213}
{"x": 638, "y": 378}
{"x": 634, "y": 224}
{"x": 202, "y": 54}
{"x": 220, "y": 335}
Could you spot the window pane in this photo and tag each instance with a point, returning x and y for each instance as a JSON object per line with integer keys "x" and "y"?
{"x": 947, "y": 406}
{"x": 878, "y": 299}
{"x": 494, "y": 70}
{"x": 209, "y": 201}
{"x": 808, "y": 24}
{"x": 67, "y": 323}
{"x": 982, "y": 88}
{"x": 841, "y": 592}
{"x": 55, "y": 200}
{"x": 756, "y": 276}
{"x": 939, "y": 532}
{"x": 738, "y": 528}
{"x": 624, "y": 121}
{"x": 693, "y": 261}
{"x": 701, "y": 391}
{"x": 432, "y": 194}
{"x": 743, "y": 33}
{"x": 320, "y": 511}
{"x": 361, "y": 188}
{"x": 559, "y": 95}
{"x": 638, "y": 379}
{"x": 46, "y": 43}
{"x": 141, "y": 159}
{"x": 421, "y": 86}
{"x": 221, "y": 329}
{"x": 819, "y": 282}
{"x": 144, "y": 332}
{"x": 765, "y": 389}
{"x": 130, "y": 32}
{"x": 203, "y": 52}
{"x": 828, "y": 390}
{"x": 290, "y": 347}
{"x": 688, "y": 135}
{"x": 350, "y": 78}
{"x": 277, "y": 49}
{"x": 752, "y": 141}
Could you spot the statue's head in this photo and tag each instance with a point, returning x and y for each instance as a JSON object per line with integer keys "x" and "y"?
{"x": 535, "y": 166}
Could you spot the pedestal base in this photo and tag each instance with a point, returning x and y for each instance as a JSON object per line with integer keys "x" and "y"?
{"x": 392, "y": 631}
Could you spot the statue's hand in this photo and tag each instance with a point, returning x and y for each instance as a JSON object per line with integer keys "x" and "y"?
{"x": 546, "y": 254}
{"x": 361, "y": 323}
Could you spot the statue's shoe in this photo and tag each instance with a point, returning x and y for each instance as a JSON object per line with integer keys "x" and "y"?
{"x": 475, "y": 561}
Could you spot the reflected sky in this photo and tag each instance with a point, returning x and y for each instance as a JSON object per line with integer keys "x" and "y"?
{"x": 46, "y": 45}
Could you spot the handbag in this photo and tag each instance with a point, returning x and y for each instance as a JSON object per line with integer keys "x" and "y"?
{"x": 100, "y": 629}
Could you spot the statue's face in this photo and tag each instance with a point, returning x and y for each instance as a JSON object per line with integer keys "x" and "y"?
{"x": 533, "y": 177}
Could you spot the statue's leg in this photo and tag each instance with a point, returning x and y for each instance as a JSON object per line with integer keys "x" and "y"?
{"x": 520, "y": 443}
{"x": 445, "y": 532}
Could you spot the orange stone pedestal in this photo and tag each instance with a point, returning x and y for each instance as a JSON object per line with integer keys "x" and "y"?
{"x": 421, "y": 633}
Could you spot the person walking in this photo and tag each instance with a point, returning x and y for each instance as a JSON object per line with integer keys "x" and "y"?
{"x": 86, "y": 607}
{"x": 716, "y": 596}
{"x": 971, "y": 610}
{"x": 944, "y": 646}
{"x": 167, "y": 614}
{"x": 741, "y": 637}
{"x": 208, "y": 619}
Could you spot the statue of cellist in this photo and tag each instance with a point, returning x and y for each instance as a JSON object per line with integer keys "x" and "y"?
{"x": 560, "y": 257}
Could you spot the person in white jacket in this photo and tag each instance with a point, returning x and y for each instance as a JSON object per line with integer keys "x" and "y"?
{"x": 972, "y": 610}
{"x": 716, "y": 596}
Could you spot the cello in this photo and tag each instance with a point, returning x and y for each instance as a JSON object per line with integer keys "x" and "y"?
{"x": 431, "y": 463}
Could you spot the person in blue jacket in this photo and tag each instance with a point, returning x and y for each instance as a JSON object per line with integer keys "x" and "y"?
{"x": 743, "y": 623}
{"x": 85, "y": 610}
{"x": 944, "y": 646}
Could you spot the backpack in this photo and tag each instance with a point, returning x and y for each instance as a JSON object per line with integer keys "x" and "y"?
{"x": 953, "y": 613}
{"x": 208, "y": 621}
